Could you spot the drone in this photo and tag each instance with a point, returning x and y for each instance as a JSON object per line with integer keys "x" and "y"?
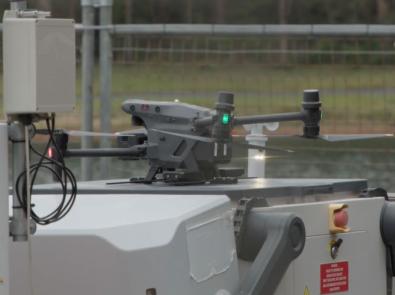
{"x": 187, "y": 144}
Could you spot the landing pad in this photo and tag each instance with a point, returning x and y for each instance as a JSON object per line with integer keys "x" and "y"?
{"x": 253, "y": 187}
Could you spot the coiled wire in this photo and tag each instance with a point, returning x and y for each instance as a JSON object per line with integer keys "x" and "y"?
{"x": 63, "y": 175}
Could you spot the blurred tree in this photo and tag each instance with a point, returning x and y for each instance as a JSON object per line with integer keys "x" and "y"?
{"x": 44, "y": 5}
{"x": 189, "y": 11}
{"x": 233, "y": 11}
{"x": 283, "y": 11}
{"x": 382, "y": 10}
{"x": 72, "y": 7}
{"x": 220, "y": 11}
{"x": 152, "y": 10}
{"x": 162, "y": 11}
{"x": 128, "y": 11}
{"x": 203, "y": 11}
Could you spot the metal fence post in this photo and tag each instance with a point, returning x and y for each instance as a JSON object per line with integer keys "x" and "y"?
{"x": 105, "y": 79}
{"x": 88, "y": 68}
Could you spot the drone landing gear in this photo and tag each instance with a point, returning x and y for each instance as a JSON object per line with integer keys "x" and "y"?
{"x": 150, "y": 178}
{"x": 178, "y": 177}
{"x": 227, "y": 176}
{"x": 181, "y": 177}
{"x": 224, "y": 180}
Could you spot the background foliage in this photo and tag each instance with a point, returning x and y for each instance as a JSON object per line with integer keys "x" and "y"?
{"x": 234, "y": 11}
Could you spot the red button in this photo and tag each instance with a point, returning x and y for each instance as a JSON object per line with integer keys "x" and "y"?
{"x": 340, "y": 218}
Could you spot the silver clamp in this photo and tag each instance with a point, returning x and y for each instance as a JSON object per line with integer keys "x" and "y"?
{"x": 243, "y": 208}
{"x": 33, "y": 14}
{"x": 97, "y": 3}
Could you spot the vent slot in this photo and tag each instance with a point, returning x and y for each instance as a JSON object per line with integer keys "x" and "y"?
{"x": 180, "y": 149}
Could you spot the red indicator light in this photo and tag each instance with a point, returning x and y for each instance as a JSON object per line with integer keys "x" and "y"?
{"x": 50, "y": 153}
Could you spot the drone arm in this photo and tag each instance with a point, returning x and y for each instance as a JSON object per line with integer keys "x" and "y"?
{"x": 204, "y": 122}
{"x": 310, "y": 115}
{"x": 246, "y": 120}
{"x": 135, "y": 151}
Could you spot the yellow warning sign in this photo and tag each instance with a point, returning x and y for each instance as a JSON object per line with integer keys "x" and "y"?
{"x": 306, "y": 291}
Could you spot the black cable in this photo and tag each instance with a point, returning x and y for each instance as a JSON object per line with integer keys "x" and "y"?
{"x": 63, "y": 175}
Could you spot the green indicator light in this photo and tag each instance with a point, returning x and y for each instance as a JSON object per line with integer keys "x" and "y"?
{"x": 225, "y": 119}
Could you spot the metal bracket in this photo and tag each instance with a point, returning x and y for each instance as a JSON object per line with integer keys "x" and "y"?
{"x": 243, "y": 208}
{"x": 273, "y": 241}
{"x": 33, "y": 14}
{"x": 97, "y": 3}
{"x": 388, "y": 235}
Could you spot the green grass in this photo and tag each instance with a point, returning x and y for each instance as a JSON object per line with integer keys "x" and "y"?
{"x": 181, "y": 78}
{"x": 355, "y": 97}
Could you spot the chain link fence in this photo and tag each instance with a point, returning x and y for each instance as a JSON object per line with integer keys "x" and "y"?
{"x": 355, "y": 74}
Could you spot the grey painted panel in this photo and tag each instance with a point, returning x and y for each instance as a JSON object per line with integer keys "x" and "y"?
{"x": 270, "y": 188}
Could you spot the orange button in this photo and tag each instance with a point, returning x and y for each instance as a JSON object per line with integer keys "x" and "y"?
{"x": 340, "y": 219}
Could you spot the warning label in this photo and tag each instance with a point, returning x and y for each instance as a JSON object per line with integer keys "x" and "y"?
{"x": 334, "y": 277}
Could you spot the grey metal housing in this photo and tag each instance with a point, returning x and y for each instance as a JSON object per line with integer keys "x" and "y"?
{"x": 272, "y": 241}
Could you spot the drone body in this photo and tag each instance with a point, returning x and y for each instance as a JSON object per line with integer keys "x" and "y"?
{"x": 186, "y": 143}
{"x": 176, "y": 147}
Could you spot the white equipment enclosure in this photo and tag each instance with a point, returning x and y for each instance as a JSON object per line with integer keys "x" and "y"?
{"x": 183, "y": 243}
{"x": 35, "y": 49}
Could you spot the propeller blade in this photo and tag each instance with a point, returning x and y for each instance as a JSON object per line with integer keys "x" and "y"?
{"x": 336, "y": 137}
{"x": 261, "y": 148}
{"x": 352, "y": 137}
{"x": 79, "y": 133}
{"x": 239, "y": 136}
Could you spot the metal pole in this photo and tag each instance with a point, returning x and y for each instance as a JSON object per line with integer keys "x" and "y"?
{"x": 19, "y": 221}
{"x": 4, "y": 214}
{"x": 88, "y": 69}
{"x": 106, "y": 80}
{"x": 18, "y": 227}
{"x": 246, "y": 30}
{"x": 366, "y": 30}
{"x": 256, "y": 159}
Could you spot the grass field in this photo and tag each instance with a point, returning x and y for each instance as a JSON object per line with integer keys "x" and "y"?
{"x": 355, "y": 99}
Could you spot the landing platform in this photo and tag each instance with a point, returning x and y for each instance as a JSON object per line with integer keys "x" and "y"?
{"x": 254, "y": 187}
